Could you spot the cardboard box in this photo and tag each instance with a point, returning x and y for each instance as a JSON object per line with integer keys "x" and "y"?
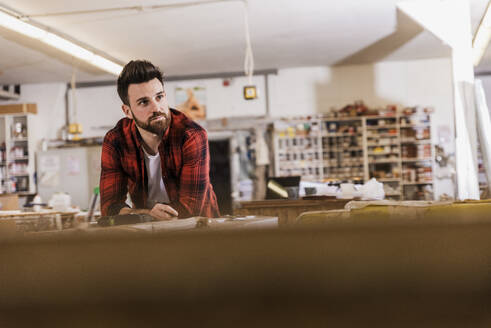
{"x": 9, "y": 202}
{"x": 18, "y": 109}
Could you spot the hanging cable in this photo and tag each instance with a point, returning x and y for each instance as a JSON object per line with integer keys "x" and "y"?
{"x": 74, "y": 96}
{"x": 249, "y": 58}
{"x": 74, "y": 128}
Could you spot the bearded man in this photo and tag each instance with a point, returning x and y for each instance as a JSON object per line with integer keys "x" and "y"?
{"x": 156, "y": 154}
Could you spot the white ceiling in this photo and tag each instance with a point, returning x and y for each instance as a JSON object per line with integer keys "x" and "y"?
{"x": 210, "y": 38}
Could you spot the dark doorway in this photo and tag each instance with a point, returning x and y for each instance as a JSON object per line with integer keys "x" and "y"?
{"x": 220, "y": 174}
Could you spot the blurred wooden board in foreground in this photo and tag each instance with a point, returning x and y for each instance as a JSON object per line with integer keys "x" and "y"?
{"x": 391, "y": 275}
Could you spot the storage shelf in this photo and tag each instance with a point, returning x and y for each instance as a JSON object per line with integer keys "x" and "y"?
{"x": 283, "y": 136}
{"x": 412, "y": 160}
{"x": 383, "y": 153}
{"x": 336, "y": 180}
{"x": 300, "y": 165}
{"x": 293, "y": 151}
{"x": 342, "y": 119}
{"x": 407, "y": 183}
{"x": 416, "y": 141}
{"x": 342, "y": 165}
{"x": 388, "y": 161}
{"x": 381, "y": 117}
{"x": 355, "y": 134}
{"x": 18, "y": 167}
{"x": 342, "y": 150}
{"x": 377, "y": 127}
{"x": 415, "y": 115}
{"x": 372, "y": 144}
{"x": 419, "y": 125}
{"x": 387, "y": 135}
{"x": 376, "y": 142}
{"x": 389, "y": 180}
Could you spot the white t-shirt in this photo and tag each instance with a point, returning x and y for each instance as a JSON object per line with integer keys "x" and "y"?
{"x": 156, "y": 186}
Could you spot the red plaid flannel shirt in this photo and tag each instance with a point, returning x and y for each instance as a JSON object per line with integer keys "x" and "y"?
{"x": 185, "y": 162}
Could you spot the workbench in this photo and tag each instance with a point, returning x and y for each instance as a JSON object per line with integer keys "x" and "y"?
{"x": 434, "y": 275}
{"x": 288, "y": 210}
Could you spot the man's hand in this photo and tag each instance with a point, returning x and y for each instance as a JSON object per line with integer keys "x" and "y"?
{"x": 163, "y": 212}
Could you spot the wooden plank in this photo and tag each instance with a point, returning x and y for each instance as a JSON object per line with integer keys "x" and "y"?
{"x": 287, "y": 210}
{"x": 18, "y": 109}
{"x": 381, "y": 276}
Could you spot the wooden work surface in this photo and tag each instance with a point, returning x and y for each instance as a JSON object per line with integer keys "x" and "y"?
{"x": 15, "y": 221}
{"x": 20, "y": 214}
{"x": 288, "y": 210}
{"x": 157, "y": 227}
{"x": 352, "y": 276}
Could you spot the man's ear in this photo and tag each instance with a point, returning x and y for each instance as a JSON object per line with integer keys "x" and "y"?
{"x": 127, "y": 111}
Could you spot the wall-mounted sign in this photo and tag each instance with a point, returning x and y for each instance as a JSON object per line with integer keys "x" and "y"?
{"x": 250, "y": 92}
{"x": 192, "y": 101}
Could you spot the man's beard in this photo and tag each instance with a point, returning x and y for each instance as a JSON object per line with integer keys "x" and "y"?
{"x": 152, "y": 125}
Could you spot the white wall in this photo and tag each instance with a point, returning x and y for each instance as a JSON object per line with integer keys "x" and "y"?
{"x": 225, "y": 101}
{"x": 427, "y": 83}
{"x": 297, "y": 91}
{"x": 50, "y": 100}
{"x": 99, "y": 108}
{"x": 293, "y": 92}
{"x": 311, "y": 90}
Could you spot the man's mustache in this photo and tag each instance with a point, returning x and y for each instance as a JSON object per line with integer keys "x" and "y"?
{"x": 157, "y": 115}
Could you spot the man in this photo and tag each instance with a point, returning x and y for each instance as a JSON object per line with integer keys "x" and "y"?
{"x": 156, "y": 153}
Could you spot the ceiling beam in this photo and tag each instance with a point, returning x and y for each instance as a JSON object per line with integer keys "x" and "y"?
{"x": 222, "y": 75}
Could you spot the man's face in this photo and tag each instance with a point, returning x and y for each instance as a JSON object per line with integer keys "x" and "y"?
{"x": 148, "y": 106}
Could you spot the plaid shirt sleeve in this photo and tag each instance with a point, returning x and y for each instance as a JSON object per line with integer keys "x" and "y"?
{"x": 113, "y": 182}
{"x": 194, "y": 181}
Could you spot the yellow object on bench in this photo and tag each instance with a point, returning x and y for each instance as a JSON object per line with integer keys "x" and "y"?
{"x": 395, "y": 212}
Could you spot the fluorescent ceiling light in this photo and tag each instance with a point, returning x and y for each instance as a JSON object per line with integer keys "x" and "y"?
{"x": 67, "y": 46}
{"x": 482, "y": 37}
{"x": 15, "y": 24}
{"x": 106, "y": 65}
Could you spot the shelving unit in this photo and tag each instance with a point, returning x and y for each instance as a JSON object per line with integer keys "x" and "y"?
{"x": 297, "y": 148}
{"x": 394, "y": 149}
{"x": 384, "y": 153}
{"x": 343, "y": 150}
{"x": 417, "y": 156}
{"x": 17, "y": 157}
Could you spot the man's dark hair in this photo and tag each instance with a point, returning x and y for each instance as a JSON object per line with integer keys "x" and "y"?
{"x": 136, "y": 71}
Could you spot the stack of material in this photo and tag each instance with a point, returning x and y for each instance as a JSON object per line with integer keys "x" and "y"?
{"x": 156, "y": 227}
{"x": 383, "y": 212}
{"x": 18, "y": 222}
